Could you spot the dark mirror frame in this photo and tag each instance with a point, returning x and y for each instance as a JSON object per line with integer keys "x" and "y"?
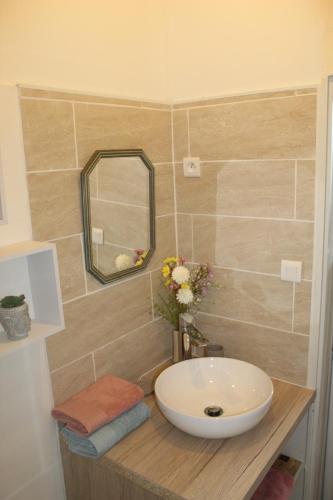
{"x": 85, "y": 202}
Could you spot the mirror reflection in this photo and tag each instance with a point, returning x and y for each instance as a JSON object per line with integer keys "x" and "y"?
{"x": 119, "y": 213}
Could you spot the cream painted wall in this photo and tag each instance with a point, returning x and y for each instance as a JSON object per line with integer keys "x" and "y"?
{"x": 101, "y": 46}
{"x": 162, "y": 50}
{"x": 240, "y": 46}
{"x": 328, "y": 6}
{"x": 17, "y": 226}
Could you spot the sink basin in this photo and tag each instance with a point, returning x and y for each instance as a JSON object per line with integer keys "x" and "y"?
{"x": 214, "y": 397}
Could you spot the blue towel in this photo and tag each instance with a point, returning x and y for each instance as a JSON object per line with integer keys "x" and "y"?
{"x": 103, "y": 439}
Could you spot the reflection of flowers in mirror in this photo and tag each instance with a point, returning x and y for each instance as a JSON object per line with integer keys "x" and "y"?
{"x": 123, "y": 261}
{"x": 139, "y": 256}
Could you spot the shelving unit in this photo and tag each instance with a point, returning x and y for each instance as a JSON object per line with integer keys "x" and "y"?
{"x": 31, "y": 268}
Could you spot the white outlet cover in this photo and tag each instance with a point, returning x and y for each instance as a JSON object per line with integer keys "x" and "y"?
{"x": 97, "y": 235}
{"x": 191, "y": 167}
{"x": 291, "y": 270}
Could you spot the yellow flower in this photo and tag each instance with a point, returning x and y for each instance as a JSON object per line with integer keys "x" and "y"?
{"x": 165, "y": 271}
{"x": 168, "y": 260}
{"x": 185, "y": 285}
{"x": 139, "y": 262}
{"x": 167, "y": 283}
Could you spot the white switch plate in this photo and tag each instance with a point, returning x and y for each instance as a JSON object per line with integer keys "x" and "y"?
{"x": 291, "y": 270}
{"x": 191, "y": 167}
{"x": 97, "y": 235}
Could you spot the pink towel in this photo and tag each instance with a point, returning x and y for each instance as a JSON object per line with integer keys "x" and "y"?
{"x": 277, "y": 485}
{"x": 98, "y": 404}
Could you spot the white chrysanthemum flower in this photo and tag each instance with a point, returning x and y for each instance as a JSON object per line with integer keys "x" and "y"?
{"x": 185, "y": 296}
{"x": 123, "y": 261}
{"x": 180, "y": 274}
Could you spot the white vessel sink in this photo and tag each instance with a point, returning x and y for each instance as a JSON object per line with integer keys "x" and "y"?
{"x": 214, "y": 397}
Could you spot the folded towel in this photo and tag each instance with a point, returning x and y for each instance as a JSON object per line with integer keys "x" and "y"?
{"x": 98, "y": 404}
{"x": 103, "y": 439}
{"x": 277, "y": 485}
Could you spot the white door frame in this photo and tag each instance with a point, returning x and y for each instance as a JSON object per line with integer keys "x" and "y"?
{"x": 320, "y": 347}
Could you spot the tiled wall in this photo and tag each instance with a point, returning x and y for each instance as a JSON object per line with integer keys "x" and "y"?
{"x": 108, "y": 328}
{"x": 252, "y": 207}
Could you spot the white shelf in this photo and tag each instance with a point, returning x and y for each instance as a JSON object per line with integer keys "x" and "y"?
{"x": 38, "y": 331}
{"x": 23, "y": 249}
{"x": 31, "y": 268}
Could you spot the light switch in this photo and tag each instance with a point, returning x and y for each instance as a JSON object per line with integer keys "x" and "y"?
{"x": 191, "y": 167}
{"x": 291, "y": 270}
{"x": 97, "y": 235}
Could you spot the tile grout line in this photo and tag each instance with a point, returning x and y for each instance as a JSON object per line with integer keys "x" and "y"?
{"x": 289, "y": 332}
{"x": 93, "y": 103}
{"x": 65, "y": 237}
{"x": 188, "y": 133}
{"x": 151, "y": 295}
{"x": 75, "y": 138}
{"x": 209, "y": 162}
{"x": 295, "y": 188}
{"x": 121, "y": 203}
{"x": 192, "y": 238}
{"x": 84, "y": 265}
{"x": 239, "y": 270}
{"x": 293, "y": 309}
{"x": 191, "y": 106}
{"x": 250, "y": 160}
{"x": 94, "y": 365}
{"x": 174, "y": 182}
{"x": 250, "y": 217}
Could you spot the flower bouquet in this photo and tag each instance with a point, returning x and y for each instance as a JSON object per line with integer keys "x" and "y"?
{"x": 186, "y": 286}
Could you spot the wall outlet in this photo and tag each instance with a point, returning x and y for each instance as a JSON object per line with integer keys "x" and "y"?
{"x": 291, "y": 270}
{"x": 191, "y": 167}
{"x": 97, "y": 235}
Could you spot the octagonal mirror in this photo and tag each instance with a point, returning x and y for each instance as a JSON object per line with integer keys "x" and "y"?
{"x": 118, "y": 208}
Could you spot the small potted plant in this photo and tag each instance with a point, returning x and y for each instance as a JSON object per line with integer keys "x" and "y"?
{"x": 14, "y": 317}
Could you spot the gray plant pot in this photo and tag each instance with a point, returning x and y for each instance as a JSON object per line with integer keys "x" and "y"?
{"x": 15, "y": 321}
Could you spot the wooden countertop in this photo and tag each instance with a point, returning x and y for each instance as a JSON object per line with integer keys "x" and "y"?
{"x": 175, "y": 465}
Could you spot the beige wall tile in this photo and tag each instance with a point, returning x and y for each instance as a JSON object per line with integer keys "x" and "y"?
{"x": 55, "y": 204}
{"x": 252, "y": 188}
{"x": 211, "y": 101}
{"x": 71, "y": 270}
{"x": 71, "y": 96}
{"x": 72, "y": 378}
{"x": 253, "y": 298}
{"x": 273, "y": 128}
{"x": 106, "y": 127}
{"x": 131, "y": 356}
{"x": 164, "y": 191}
{"x": 184, "y": 225}
{"x": 205, "y": 239}
{"x": 97, "y": 319}
{"x": 280, "y": 354}
{"x": 48, "y": 131}
{"x": 180, "y": 135}
{"x": 302, "y": 307}
{"x": 305, "y": 193}
{"x": 252, "y": 244}
{"x": 165, "y": 240}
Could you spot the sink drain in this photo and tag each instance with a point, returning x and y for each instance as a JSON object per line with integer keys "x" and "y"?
{"x": 213, "y": 411}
